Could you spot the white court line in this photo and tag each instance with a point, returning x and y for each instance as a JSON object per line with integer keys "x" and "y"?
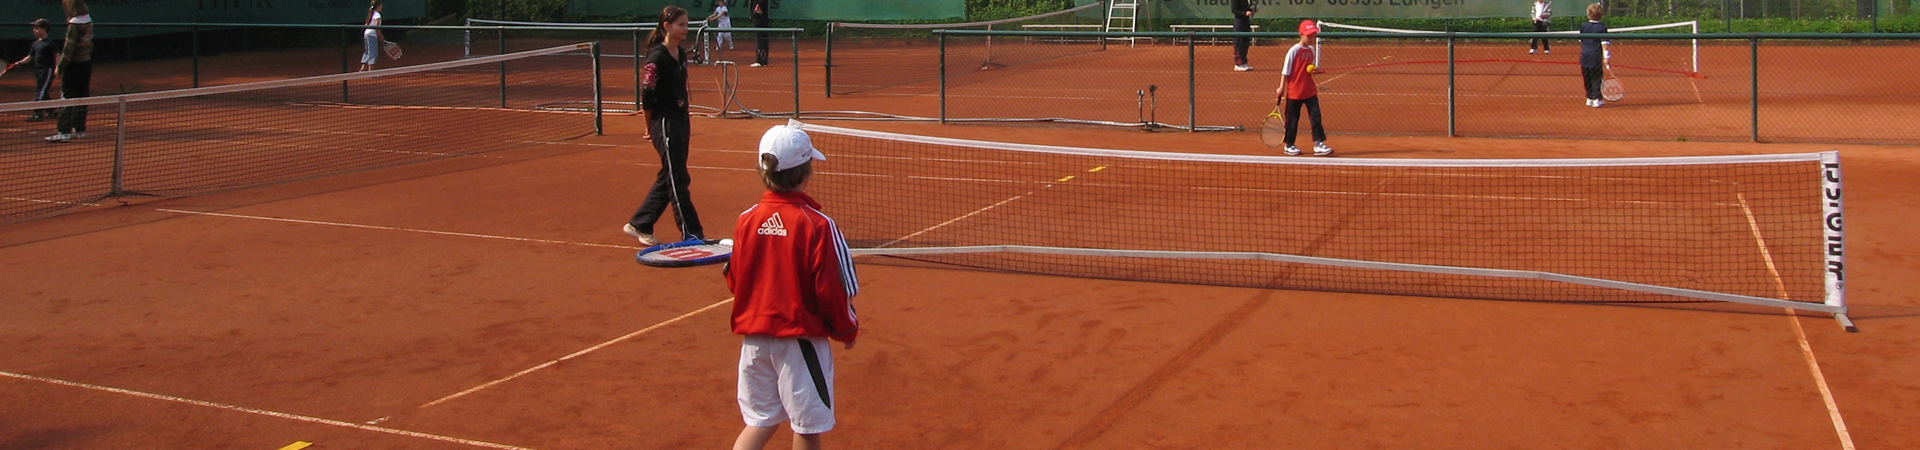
{"x": 544, "y": 241}
{"x": 957, "y": 219}
{"x": 36, "y": 200}
{"x": 577, "y": 354}
{"x": 1806, "y": 349}
{"x": 411, "y": 230}
{"x": 1833, "y": 408}
{"x": 263, "y": 412}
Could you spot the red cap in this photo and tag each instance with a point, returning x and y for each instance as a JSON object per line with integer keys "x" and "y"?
{"x": 1307, "y": 28}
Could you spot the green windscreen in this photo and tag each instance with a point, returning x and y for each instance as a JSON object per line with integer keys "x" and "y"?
{"x": 1273, "y": 9}
{"x": 785, "y": 9}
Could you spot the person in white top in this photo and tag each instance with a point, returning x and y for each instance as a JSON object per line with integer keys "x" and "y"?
{"x": 1542, "y": 16}
{"x": 720, "y": 17}
{"x": 373, "y": 38}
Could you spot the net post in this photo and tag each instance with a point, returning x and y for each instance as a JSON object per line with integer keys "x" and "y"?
{"x": 196, "y": 55}
{"x": 829, "y": 63}
{"x": 1753, "y": 47}
{"x": 1451, "y": 130}
{"x": 1696, "y": 47}
{"x": 637, "y": 52}
{"x": 599, "y": 128}
{"x": 1193, "y": 123}
{"x": 943, "y": 75}
{"x": 989, "y": 44}
{"x": 795, "y": 40}
{"x": 120, "y": 150}
{"x": 1835, "y": 248}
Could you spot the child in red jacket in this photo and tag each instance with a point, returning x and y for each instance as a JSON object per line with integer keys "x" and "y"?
{"x": 792, "y": 281}
{"x": 1297, "y": 89}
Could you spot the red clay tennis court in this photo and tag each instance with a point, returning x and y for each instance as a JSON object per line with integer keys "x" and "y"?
{"x": 488, "y": 301}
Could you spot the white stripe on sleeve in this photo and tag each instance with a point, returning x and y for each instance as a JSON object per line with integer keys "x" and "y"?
{"x": 1286, "y": 65}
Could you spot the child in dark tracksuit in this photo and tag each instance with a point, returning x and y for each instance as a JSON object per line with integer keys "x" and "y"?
{"x": 664, "y": 96}
{"x": 44, "y": 54}
{"x": 1593, "y": 55}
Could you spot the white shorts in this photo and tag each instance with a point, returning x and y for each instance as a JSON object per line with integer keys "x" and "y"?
{"x": 787, "y": 379}
{"x": 373, "y": 50}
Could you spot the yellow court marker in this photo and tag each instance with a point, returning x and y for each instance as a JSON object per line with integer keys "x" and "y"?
{"x": 1097, "y": 169}
{"x": 1064, "y": 179}
{"x": 296, "y": 445}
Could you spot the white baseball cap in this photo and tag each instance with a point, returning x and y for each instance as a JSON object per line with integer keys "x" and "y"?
{"x": 790, "y": 146}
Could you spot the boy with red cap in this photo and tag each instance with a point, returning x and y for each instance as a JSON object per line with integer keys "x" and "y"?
{"x": 1297, "y": 89}
{"x": 793, "y": 284}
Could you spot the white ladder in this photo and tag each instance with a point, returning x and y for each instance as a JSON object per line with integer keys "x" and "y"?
{"x": 1123, "y": 15}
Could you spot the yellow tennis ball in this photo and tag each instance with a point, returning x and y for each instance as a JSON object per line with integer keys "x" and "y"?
{"x": 1310, "y": 68}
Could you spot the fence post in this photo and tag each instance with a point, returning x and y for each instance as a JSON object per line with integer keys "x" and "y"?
{"x": 196, "y": 55}
{"x": 598, "y": 125}
{"x": 638, "y": 55}
{"x": 503, "y": 65}
{"x": 943, "y": 76}
{"x": 120, "y": 150}
{"x": 829, "y": 65}
{"x": 1193, "y": 85}
{"x": 346, "y": 40}
{"x": 1451, "y": 130}
{"x": 795, "y": 39}
{"x": 1753, "y": 46}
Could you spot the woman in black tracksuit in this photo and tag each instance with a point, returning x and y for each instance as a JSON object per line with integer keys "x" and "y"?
{"x": 664, "y": 96}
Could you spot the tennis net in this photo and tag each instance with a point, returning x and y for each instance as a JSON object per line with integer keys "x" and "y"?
{"x": 866, "y": 56}
{"x": 1745, "y": 229}
{"x": 193, "y": 141}
{"x": 1502, "y": 56}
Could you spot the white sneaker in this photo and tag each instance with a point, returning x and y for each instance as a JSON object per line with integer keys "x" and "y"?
{"x": 1321, "y": 149}
{"x": 1530, "y": 51}
{"x": 1549, "y": 52}
{"x": 755, "y": 65}
{"x": 1242, "y": 68}
{"x": 77, "y": 134}
{"x": 645, "y": 239}
{"x": 1598, "y": 102}
{"x": 61, "y": 137}
{"x": 1291, "y": 150}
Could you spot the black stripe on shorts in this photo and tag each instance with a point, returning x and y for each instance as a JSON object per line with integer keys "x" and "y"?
{"x": 813, "y": 368}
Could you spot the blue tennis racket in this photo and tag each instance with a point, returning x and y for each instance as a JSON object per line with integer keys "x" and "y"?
{"x": 686, "y": 253}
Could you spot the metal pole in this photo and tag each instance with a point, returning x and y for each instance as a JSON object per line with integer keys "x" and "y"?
{"x": 1753, "y": 46}
{"x": 1193, "y": 87}
{"x": 829, "y": 65}
{"x": 196, "y": 56}
{"x": 943, "y": 76}
{"x": 346, "y": 39}
{"x": 637, "y": 56}
{"x": 503, "y": 65}
{"x": 120, "y": 150}
{"x": 795, "y": 36}
{"x": 1451, "y": 130}
{"x": 598, "y": 125}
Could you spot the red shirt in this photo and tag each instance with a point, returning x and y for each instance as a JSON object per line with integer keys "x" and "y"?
{"x": 1299, "y": 82}
{"x": 791, "y": 274}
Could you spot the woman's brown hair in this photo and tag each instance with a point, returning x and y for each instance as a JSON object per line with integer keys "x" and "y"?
{"x": 667, "y": 16}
